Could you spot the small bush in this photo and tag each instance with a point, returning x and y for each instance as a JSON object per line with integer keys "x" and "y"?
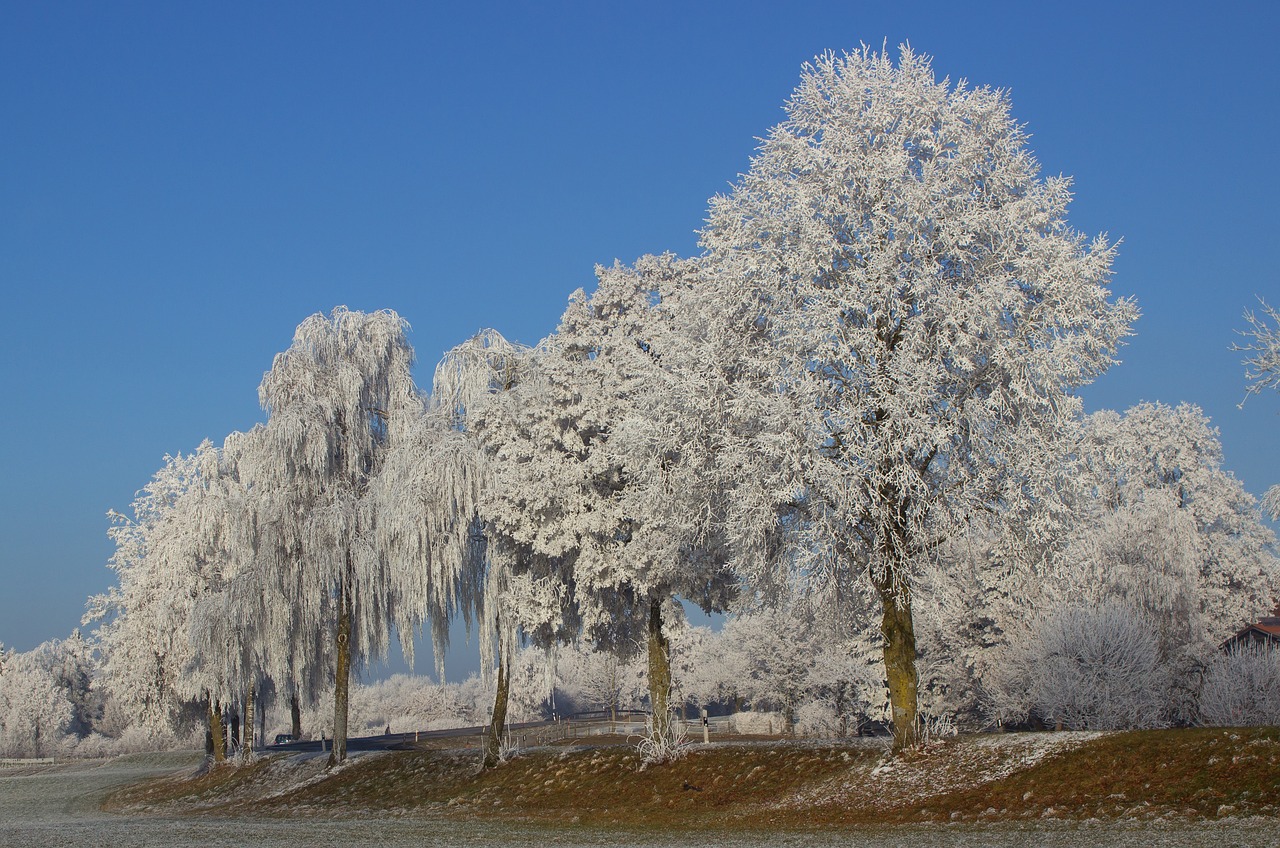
{"x": 1242, "y": 688}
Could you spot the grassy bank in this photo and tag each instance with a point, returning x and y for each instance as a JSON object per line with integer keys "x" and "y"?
{"x": 1193, "y": 774}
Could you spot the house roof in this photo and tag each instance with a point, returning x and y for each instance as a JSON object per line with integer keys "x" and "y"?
{"x": 1264, "y": 630}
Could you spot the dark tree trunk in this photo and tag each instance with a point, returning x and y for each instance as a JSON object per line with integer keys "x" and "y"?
{"x": 342, "y": 681}
{"x": 247, "y": 749}
{"x": 295, "y": 717}
{"x": 493, "y": 738}
{"x": 216, "y": 735}
{"x": 659, "y": 672}
{"x": 900, "y": 662}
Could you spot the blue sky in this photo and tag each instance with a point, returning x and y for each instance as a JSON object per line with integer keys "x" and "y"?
{"x": 180, "y": 186}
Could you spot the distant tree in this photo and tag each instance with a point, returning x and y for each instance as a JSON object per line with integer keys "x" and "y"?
{"x": 1165, "y": 529}
{"x": 601, "y": 680}
{"x": 35, "y": 715}
{"x": 896, "y": 295}
{"x": 71, "y": 663}
{"x": 1262, "y": 370}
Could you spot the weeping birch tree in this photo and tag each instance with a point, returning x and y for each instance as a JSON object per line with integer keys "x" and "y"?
{"x": 897, "y": 291}
{"x": 332, "y": 400}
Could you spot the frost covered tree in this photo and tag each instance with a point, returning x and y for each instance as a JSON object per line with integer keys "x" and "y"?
{"x": 1165, "y": 528}
{"x": 901, "y": 297}
{"x": 145, "y": 617}
{"x": 1262, "y": 369}
{"x": 511, "y": 588}
{"x": 600, "y": 468}
{"x": 245, "y": 639}
{"x": 332, "y": 400}
{"x": 35, "y": 715}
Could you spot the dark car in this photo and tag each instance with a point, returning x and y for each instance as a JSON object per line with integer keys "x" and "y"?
{"x": 284, "y": 739}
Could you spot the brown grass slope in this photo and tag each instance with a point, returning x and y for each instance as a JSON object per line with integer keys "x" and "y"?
{"x": 1177, "y": 774}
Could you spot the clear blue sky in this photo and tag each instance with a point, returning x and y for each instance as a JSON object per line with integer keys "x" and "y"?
{"x": 180, "y": 187}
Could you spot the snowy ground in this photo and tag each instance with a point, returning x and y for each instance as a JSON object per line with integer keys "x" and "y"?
{"x": 58, "y": 806}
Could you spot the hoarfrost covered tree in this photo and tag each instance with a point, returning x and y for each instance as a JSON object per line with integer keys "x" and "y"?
{"x": 1147, "y": 518}
{"x": 145, "y": 617}
{"x": 36, "y": 716}
{"x": 1165, "y": 529}
{"x": 332, "y": 399}
{"x": 601, "y": 467}
{"x": 1263, "y": 370}
{"x": 475, "y": 568}
{"x": 246, "y": 639}
{"x": 900, "y": 296}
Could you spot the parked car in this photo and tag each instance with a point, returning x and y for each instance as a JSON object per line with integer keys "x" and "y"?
{"x": 284, "y": 739}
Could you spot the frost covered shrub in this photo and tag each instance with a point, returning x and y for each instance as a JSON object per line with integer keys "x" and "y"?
{"x": 1242, "y": 688}
{"x": 752, "y": 722}
{"x": 820, "y": 720}
{"x": 1095, "y": 668}
{"x": 403, "y": 703}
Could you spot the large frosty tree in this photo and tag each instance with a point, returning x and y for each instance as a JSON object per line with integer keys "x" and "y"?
{"x": 332, "y": 399}
{"x": 600, "y": 467}
{"x": 901, "y": 297}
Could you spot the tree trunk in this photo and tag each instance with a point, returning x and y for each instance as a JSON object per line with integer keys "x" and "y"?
{"x": 295, "y": 717}
{"x": 247, "y": 750}
{"x": 659, "y": 672}
{"x": 215, "y": 732}
{"x": 900, "y": 662}
{"x": 342, "y": 681}
{"x": 493, "y": 738}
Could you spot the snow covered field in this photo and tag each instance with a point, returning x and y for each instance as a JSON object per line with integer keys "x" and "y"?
{"x": 59, "y": 806}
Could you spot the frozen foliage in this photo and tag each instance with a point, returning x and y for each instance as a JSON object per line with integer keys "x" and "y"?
{"x": 600, "y": 680}
{"x": 601, "y": 478}
{"x": 1163, "y": 529}
{"x": 406, "y": 703}
{"x": 785, "y": 662}
{"x": 1263, "y": 349}
{"x": 35, "y": 713}
{"x": 901, "y": 301}
{"x": 146, "y": 615}
{"x": 1262, "y": 369}
{"x": 333, "y": 400}
{"x": 1171, "y": 532}
{"x": 1149, "y": 519}
{"x": 1084, "y": 668}
{"x": 1242, "y": 688}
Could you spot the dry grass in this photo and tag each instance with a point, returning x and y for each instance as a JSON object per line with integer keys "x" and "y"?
{"x": 1180, "y": 775}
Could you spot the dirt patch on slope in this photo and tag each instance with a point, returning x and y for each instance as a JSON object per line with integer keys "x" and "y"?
{"x": 1176, "y": 775}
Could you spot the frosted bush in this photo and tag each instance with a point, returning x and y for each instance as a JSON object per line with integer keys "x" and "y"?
{"x": 818, "y": 719}
{"x": 757, "y": 723}
{"x": 1242, "y": 688}
{"x": 1095, "y": 668}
